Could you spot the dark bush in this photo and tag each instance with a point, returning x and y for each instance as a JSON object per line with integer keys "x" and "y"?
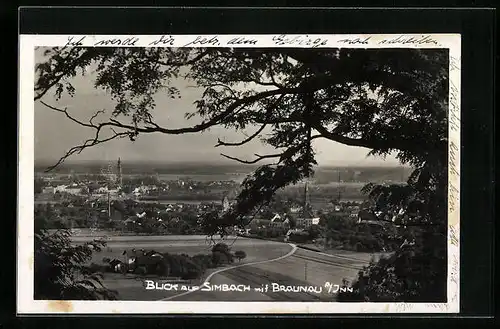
{"x": 219, "y": 258}
{"x": 412, "y": 274}
{"x": 240, "y": 255}
{"x": 221, "y": 247}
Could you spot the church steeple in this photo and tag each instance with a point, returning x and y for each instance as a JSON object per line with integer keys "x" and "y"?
{"x": 120, "y": 178}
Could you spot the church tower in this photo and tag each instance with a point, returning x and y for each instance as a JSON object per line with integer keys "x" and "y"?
{"x": 119, "y": 178}
{"x": 225, "y": 204}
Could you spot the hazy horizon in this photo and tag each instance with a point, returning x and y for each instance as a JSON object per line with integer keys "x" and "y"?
{"x": 42, "y": 162}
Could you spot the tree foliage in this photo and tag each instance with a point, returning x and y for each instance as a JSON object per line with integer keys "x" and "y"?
{"x": 240, "y": 254}
{"x": 385, "y": 100}
{"x": 62, "y": 270}
{"x": 412, "y": 274}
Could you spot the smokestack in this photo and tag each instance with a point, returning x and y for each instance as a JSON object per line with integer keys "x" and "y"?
{"x": 306, "y": 199}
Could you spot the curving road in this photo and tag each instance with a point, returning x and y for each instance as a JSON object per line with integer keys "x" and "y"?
{"x": 267, "y": 262}
{"x": 201, "y": 295}
{"x": 133, "y": 288}
{"x": 297, "y": 268}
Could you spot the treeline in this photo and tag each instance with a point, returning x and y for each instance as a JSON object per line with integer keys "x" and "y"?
{"x": 180, "y": 266}
{"x": 362, "y": 174}
{"x": 344, "y": 233}
{"x": 197, "y": 196}
{"x": 324, "y": 193}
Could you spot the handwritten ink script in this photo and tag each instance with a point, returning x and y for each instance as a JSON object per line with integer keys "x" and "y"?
{"x": 454, "y": 107}
{"x": 265, "y": 288}
{"x": 204, "y": 41}
{"x": 311, "y": 41}
{"x": 442, "y": 307}
{"x": 118, "y": 42}
{"x": 454, "y": 64}
{"x": 410, "y": 40}
{"x": 283, "y": 40}
{"x": 454, "y": 147}
{"x": 356, "y": 41}
{"x": 453, "y": 193}
{"x": 164, "y": 40}
{"x": 74, "y": 42}
{"x": 242, "y": 41}
{"x": 453, "y": 235}
{"x": 454, "y": 269}
{"x": 404, "y": 307}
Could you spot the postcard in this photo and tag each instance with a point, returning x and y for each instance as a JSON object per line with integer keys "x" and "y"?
{"x": 239, "y": 174}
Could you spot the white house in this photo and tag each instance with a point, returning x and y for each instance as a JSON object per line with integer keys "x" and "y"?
{"x": 49, "y": 189}
{"x": 279, "y": 221}
{"x": 73, "y": 190}
{"x": 307, "y": 222}
{"x": 60, "y": 188}
{"x": 102, "y": 190}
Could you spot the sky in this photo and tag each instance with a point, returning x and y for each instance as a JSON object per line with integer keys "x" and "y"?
{"x": 55, "y": 134}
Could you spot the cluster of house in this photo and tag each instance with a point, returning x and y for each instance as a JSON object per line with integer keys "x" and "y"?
{"x": 396, "y": 216}
{"x": 146, "y": 189}
{"x": 350, "y": 209}
{"x": 75, "y": 189}
{"x": 299, "y": 218}
{"x": 158, "y": 216}
{"x": 80, "y": 189}
{"x": 143, "y": 190}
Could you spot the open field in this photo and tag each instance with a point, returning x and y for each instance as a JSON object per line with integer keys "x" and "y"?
{"x": 300, "y": 268}
{"x": 131, "y": 287}
{"x": 303, "y": 268}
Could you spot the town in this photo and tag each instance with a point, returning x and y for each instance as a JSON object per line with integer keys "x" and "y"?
{"x": 144, "y": 204}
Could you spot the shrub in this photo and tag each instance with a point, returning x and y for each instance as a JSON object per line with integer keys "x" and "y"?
{"x": 221, "y": 247}
{"x": 411, "y": 275}
{"x": 240, "y": 255}
{"x": 186, "y": 267}
{"x": 219, "y": 258}
{"x": 204, "y": 261}
{"x": 60, "y": 272}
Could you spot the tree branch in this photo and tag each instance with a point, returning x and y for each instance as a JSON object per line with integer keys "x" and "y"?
{"x": 248, "y": 139}
{"x": 188, "y": 62}
{"x": 65, "y": 70}
{"x": 259, "y": 158}
{"x": 342, "y": 139}
{"x": 88, "y": 143}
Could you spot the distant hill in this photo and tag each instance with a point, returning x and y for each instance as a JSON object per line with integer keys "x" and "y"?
{"x": 148, "y": 168}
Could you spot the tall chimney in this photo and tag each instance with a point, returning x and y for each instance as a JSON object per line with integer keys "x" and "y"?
{"x": 306, "y": 199}
{"x": 109, "y": 206}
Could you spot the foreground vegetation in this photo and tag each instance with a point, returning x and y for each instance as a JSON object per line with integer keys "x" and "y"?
{"x": 63, "y": 271}
{"x": 412, "y": 274}
{"x": 60, "y": 268}
{"x": 180, "y": 266}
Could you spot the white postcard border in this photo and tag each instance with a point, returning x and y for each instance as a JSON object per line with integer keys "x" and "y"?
{"x": 25, "y": 260}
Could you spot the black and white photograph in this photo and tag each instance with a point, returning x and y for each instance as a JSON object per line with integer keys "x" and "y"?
{"x": 316, "y": 171}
